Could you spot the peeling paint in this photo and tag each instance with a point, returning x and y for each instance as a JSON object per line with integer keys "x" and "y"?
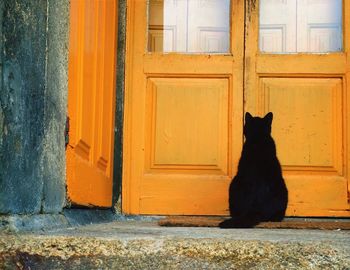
{"x": 251, "y": 6}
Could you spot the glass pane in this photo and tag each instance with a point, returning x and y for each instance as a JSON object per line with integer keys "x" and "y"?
{"x": 293, "y": 26}
{"x": 189, "y": 26}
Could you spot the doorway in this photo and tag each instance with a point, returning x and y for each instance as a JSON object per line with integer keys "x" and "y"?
{"x": 195, "y": 66}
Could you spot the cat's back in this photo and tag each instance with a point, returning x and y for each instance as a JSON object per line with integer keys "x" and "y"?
{"x": 259, "y": 153}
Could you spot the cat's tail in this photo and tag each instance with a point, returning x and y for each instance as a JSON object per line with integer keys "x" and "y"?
{"x": 238, "y": 223}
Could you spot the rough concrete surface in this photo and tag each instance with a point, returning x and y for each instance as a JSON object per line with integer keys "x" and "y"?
{"x": 145, "y": 245}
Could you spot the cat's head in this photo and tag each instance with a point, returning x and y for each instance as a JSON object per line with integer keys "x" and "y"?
{"x": 256, "y": 128}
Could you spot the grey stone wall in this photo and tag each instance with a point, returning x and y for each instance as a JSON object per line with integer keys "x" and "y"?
{"x": 34, "y": 48}
{"x": 54, "y": 166}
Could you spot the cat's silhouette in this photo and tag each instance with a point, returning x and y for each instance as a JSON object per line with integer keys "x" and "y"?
{"x": 258, "y": 192}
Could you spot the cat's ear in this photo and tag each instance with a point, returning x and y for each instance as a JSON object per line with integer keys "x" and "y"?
{"x": 248, "y": 117}
{"x": 268, "y": 118}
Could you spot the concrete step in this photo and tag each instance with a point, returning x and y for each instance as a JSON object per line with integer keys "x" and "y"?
{"x": 145, "y": 245}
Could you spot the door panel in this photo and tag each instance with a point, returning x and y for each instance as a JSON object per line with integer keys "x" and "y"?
{"x": 183, "y": 112}
{"x": 309, "y": 111}
{"x": 91, "y": 102}
{"x": 308, "y": 96}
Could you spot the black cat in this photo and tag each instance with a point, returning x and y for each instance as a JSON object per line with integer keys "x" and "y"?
{"x": 258, "y": 192}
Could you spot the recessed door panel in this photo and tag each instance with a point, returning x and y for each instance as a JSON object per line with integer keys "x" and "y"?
{"x": 191, "y": 113}
{"x": 309, "y": 117}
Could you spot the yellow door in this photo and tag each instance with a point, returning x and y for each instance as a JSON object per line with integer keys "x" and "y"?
{"x": 183, "y": 105}
{"x": 187, "y": 89}
{"x": 91, "y": 102}
{"x": 298, "y": 66}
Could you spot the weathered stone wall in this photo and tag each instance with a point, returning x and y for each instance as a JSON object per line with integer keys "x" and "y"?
{"x": 34, "y": 50}
{"x": 54, "y": 166}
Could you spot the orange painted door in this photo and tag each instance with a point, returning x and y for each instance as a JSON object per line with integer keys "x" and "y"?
{"x": 91, "y": 102}
{"x": 187, "y": 90}
{"x": 298, "y": 66}
{"x": 183, "y": 105}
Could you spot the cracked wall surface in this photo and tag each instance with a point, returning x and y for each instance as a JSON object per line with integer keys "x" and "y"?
{"x": 34, "y": 49}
